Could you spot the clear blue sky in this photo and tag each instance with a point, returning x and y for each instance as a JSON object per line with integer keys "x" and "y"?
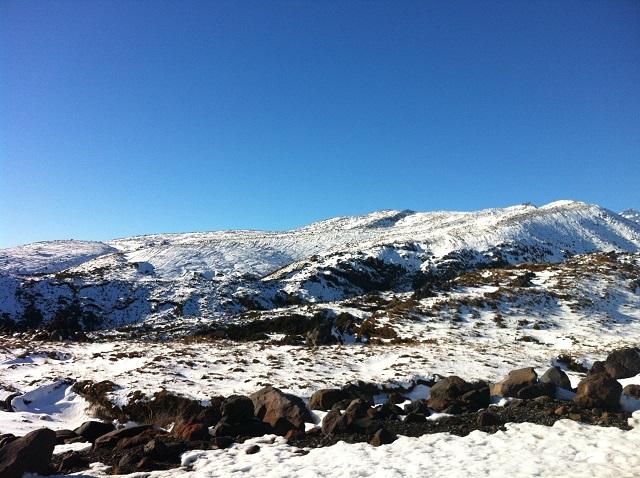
{"x": 131, "y": 117}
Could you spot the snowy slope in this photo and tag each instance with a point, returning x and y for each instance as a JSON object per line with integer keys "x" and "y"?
{"x": 212, "y": 274}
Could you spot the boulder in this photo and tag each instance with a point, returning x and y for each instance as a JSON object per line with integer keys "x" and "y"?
{"x": 556, "y": 376}
{"x": 515, "y": 381}
{"x": 30, "y": 453}
{"x": 415, "y": 418}
{"x": 598, "y": 391}
{"x": 386, "y": 411}
{"x": 326, "y": 398}
{"x": 237, "y": 408}
{"x": 333, "y": 423}
{"x": 63, "y": 435}
{"x": 252, "y": 427}
{"x": 280, "y": 410}
{"x": 455, "y": 395}
{"x": 420, "y": 406}
{"x": 195, "y": 431}
{"x": 537, "y": 391}
{"x": 487, "y": 419}
{"x": 321, "y": 335}
{"x": 382, "y": 437}
{"x": 109, "y": 440}
{"x": 6, "y": 438}
{"x": 632, "y": 391}
{"x": 92, "y": 430}
{"x": 623, "y": 363}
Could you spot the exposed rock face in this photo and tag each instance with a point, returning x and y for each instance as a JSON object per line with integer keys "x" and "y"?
{"x": 326, "y": 398}
{"x": 280, "y": 410}
{"x": 598, "y": 391}
{"x": 623, "y": 363}
{"x": 454, "y": 392}
{"x": 556, "y": 376}
{"x": 30, "y": 453}
{"x": 515, "y": 381}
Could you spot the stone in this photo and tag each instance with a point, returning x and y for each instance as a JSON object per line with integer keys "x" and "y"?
{"x": 195, "y": 431}
{"x": 237, "y": 408}
{"x": 92, "y": 430}
{"x": 30, "y": 453}
{"x": 280, "y": 410}
{"x": 415, "y": 418}
{"x": 252, "y": 449}
{"x": 326, "y": 398}
{"x": 109, "y": 440}
{"x": 455, "y": 395}
{"x": 515, "y": 381}
{"x": 420, "y": 406}
{"x": 382, "y": 437}
{"x": 632, "y": 391}
{"x": 487, "y": 419}
{"x": 598, "y": 390}
{"x": 333, "y": 423}
{"x": 63, "y": 435}
{"x": 623, "y": 363}
{"x": 537, "y": 390}
{"x": 556, "y": 376}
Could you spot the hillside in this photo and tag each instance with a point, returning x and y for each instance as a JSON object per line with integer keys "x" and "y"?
{"x": 221, "y": 275}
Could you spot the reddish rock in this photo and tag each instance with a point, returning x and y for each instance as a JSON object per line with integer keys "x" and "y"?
{"x": 30, "y": 453}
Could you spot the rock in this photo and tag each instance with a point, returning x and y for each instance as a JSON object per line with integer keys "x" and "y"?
{"x": 561, "y": 410}
{"x": 222, "y": 442}
{"x": 30, "y": 453}
{"x": 556, "y": 376}
{"x": 155, "y": 449}
{"x": 382, "y": 437}
{"x": 293, "y": 434}
{"x": 147, "y": 464}
{"x": 109, "y": 440}
{"x": 384, "y": 412}
{"x": 333, "y": 423}
{"x": 395, "y": 398}
{"x": 415, "y": 418}
{"x": 321, "y": 335}
{"x": 598, "y": 390}
{"x": 252, "y": 449}
{"x": 632, "y": 391}
{"x": 487, "y": 419}
{"x": 6, "y": 403}
{"x": 623, "y": 363}
{"x": 91, "y": 430}
{"x": 515, "y": 381}
{"x": 326, "y": 398}
{"x": 237, "y": 408}
{"x": 538, "y": 390}
{"x": 453, "y": 393}
{"x": 6, "y": 438}
{"x": 70, "y": 461}
{"x": 63, "y": 435}
{"x": 252, "y": 427}
{"x": 195, "y": 431}
{"x": 280, "y": 410}
{"x": 136, "y": 440}
{"x": 418, "y": 406}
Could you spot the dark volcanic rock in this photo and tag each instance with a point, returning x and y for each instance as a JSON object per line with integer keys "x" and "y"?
{"x": 30, "y": 453}
{"x": 623, "y": 363}
{"x": 109, "y": 440}
{"x": 515, "y": 381}
{"x": 326, "y": 398}
{"x": 383, "y": 437}
{"x": 456, "y": 395}
{"x": 598, "y": 391}
{"x": 632, "y": 391}
{"x": 280, "y": 410}
{"x": 237, "y": 408}
{"x": 92, "y": 430}
{"x": 536, "y": 390}
{"x": 556, "y": 376}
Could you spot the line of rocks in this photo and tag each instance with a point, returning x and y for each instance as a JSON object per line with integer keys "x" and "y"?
{"x": 173, "y": 424}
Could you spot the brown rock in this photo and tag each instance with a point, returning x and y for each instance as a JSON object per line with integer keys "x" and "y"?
{"x": 280, "y": 410}
{"x": 632, "y": 391}
{"x": 109, "y": 440}
{"x": 383, "y": 437}
{"x": 195, "y": 431}
{"x": 326, "y": 398}
{"x": 515, "y": 381}
{"x": 598, "y": 390}
{"x": 30, "y": 453}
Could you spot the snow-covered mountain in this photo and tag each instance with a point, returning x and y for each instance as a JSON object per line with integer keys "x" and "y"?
{"x": 219, "y": 274}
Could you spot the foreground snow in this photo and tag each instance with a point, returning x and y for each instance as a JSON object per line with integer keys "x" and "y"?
{"x": 523, "y": 450}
